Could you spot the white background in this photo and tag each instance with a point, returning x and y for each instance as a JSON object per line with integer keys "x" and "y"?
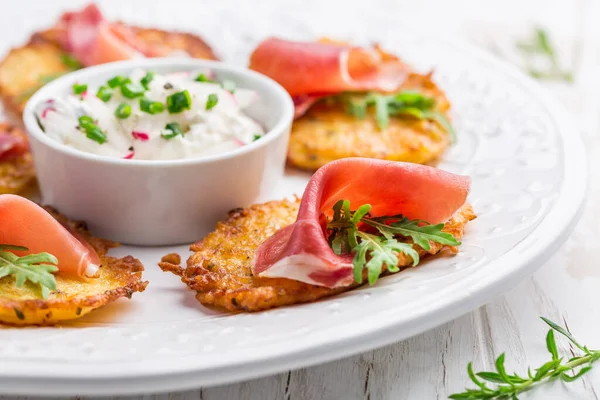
{"x": 433, "y": 365}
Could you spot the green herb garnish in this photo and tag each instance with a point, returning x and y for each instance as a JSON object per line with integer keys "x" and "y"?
{"x": 36, "y": 268}
{"x": 116, "y": 81}
{"x": 203, "y": 78}
{"x": 228, "y": 85}
{"x": 173, "y": 129}
{"x": 70, "y": 62}
{"x": 123, "y": 111}
{"x": 85, "y": 120}
{"x": 177, "y": 102}
{"x": 381, "y": 246}
{"x": 541, "y": 46}
{"x": 79, "y": 89}
{"x": 212, "y": 101}
{"x": 147, "y": 79}
{"x": 92, "y": 131}
{"x": 151, "y": 107}
{"x": 409, "y": 104}
{"x": 104, "y": 93}
{"x": 256, "y": 137}
{"x": 131, "y": 90}
{"x": 503, "y": 385}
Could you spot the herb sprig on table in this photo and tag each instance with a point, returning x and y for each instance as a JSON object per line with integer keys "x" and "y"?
{"x": 409, "y": 104}
{"x": 540, "y": 45}
{"x": 500, "y": 384}
{"x": 379, "y": 246}
{"x": 36, "y": 268}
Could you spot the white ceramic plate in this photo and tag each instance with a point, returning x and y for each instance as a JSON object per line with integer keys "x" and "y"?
{"x": 528, "y": 170}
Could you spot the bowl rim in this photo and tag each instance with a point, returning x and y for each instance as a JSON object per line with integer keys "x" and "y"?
{"x": 33, "y": 129}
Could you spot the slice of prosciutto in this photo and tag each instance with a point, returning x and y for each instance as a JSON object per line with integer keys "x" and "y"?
{"x": 12, "y": 145}
{"x": 301, "y": 252}
{"x": 312, "y": 69}
{"x": 24, "y": 223}
{"x": 93, "y": 40}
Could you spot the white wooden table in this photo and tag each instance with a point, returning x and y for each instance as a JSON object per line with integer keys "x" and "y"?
{"x": 433, "y": 365}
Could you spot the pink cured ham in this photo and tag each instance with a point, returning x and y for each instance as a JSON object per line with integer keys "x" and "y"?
{"x": 93, "y": 40}
{"x": 12, "y": 146}
{"x": 301, "y": 252}
{"x": 327, "y": 67}
{"x": 24, "y": 223}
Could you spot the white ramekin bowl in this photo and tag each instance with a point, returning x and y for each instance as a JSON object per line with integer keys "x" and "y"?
{"x": 146, "y": 202}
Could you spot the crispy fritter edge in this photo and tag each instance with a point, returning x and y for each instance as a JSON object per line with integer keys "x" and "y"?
{"x": 172, "y": 263}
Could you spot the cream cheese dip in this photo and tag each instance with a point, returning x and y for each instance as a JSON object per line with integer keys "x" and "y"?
{"x": 149, "y": 116}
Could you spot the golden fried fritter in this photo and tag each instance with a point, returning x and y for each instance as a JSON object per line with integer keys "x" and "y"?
{"x": 220, "y": 269}
{"x": 327, "y": 133}
{"x": 74, "y": 297}
{"x": 27, "y": 68}
{"x": 15, "y": 174}
{"x": 169, "y": 41}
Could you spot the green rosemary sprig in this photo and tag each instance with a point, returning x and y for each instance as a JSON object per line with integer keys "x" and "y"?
{"x": 541, "y": 46}
{"x": 501, "y": 385}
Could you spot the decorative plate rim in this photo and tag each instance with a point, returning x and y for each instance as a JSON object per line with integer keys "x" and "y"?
{"x": 143, "y": 377}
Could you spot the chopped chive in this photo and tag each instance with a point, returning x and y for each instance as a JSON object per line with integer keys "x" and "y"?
{"x": 70, "y": 61}
{"x": 85, "y": 120}
{"x": 104, "y": 93}
{"x": 177, "y": 102}
{"x": 79, "y": 89}
{"x": 203, "y": 78}
{"x": 147, "y": 79}
{"x": 123, "y": 111}
{"x": 174, "y": 128}
{"x": 151, "y": 107}
{"x": 212, "y": 101}
{"x": 256, "y": 137}
{"x": 228, "y": 85}
{"x": 96, "y": 134}
{"x": 116, "y": 81}
{"x": 92, "y": 131}
{"x": 131, "y": 90}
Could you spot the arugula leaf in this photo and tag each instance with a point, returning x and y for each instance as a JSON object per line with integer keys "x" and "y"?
{"x": 421, "y": 235}
{"x": 380, "y": 250}
{"x": 383, "y": 252}
{"x": 36, "y": 268}
{"x": 406, "y": 103}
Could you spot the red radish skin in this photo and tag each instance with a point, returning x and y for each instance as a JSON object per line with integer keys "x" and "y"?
{"x": 144, "y": 137}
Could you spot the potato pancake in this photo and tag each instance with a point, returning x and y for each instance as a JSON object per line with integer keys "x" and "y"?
{"x": 27, "y": 68}
{"x": 327, "y": 132}
{"x": 220, "y": 270}
{"x": 18, "y": 173}
{"x": 74, "y": 296}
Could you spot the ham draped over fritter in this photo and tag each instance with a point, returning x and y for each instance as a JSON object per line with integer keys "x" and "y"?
{"x": 310, "y": 70}
{"x": 12, "y": 145}
{"x": 301, "y": 252}
{"x": 93, "y": 40}
{"x": 24, "y": 223}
